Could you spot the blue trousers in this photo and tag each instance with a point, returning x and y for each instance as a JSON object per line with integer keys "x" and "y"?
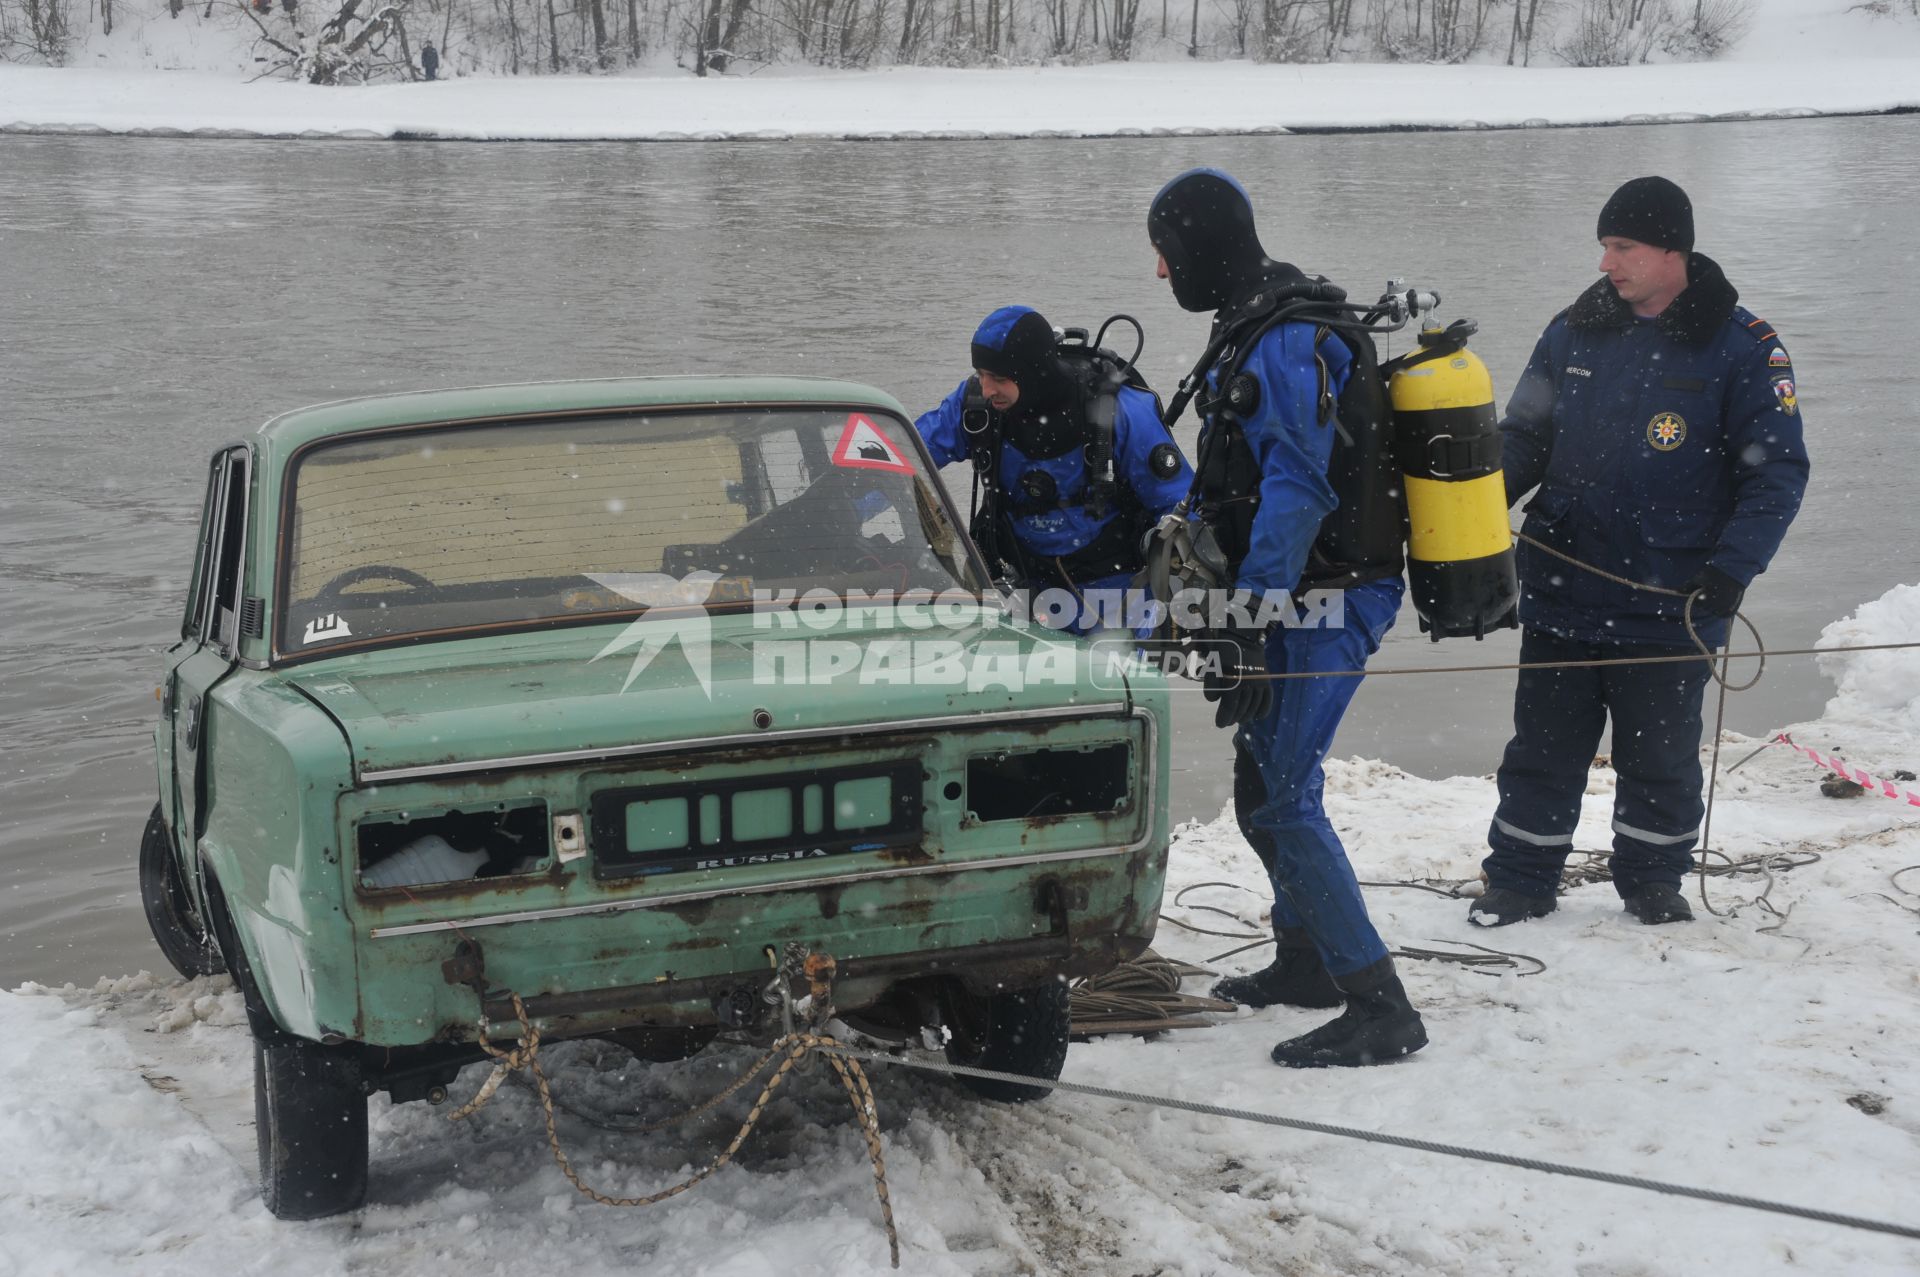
{"x": 1278, "y": 779}
{"x": 1558, "y": 716}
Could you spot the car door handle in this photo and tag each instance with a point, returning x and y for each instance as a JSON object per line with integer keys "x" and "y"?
{"x": 193, "y": 723}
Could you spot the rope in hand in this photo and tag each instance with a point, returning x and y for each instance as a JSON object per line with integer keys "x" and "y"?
{"x": 1718, "y": 663}
{"x": 789, "y": 1051}
{"x": 1686, "y": 614}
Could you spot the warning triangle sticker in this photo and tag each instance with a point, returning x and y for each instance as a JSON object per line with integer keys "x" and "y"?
{"x": 863, "y": 447}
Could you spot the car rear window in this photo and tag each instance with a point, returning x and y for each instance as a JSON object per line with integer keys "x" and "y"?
{"x": 528, "y": 522}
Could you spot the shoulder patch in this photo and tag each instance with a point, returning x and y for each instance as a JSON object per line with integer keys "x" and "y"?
{"x": 1760, "y": 330}
{"x": 1785, "y": 396}
{"x": 1766, "y": 340}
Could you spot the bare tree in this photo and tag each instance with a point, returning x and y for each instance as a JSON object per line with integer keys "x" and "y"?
{"x": 1120, "y": 28}
{"x": 718, "y": 31}
{"x": 1285, "y": 29}
{"x": 1610, "y": 33}
{"x": 46, "y": 33}
{"x": 1525, "y": 14}
{"x": 597, "y": 13}
{"x": 1339, "y": 24}
{"x": 1056, "y": 19}
{"x": 1713, "y": 27}
{"x": 911, "y": 20}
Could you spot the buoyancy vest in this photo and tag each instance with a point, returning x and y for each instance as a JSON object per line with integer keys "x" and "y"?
{"x": 1088, "y": 422}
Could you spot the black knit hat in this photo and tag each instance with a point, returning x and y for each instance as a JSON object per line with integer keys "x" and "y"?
{"x": 1651, "y": 210}
{"x": 1017, "y": 342}
{"x": 1202, "y": 223}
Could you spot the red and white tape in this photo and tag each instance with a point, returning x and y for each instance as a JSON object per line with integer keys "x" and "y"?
{"x": 1866, "y": 780}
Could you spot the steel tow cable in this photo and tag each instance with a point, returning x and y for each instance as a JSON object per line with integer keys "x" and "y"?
{"x": 1399, "y": 1141}
{"x": 1597, "y": 663}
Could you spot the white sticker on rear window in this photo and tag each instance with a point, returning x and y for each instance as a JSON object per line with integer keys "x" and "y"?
{"x": 330, "y": 626}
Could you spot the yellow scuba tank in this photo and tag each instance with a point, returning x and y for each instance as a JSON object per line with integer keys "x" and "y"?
{"x": 1447, "y": 443}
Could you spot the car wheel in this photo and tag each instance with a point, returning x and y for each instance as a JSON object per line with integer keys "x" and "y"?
{"x": 170, "y": 915}
{"x": 1010, "y": 1031}
{"x": 310, "y": 1111}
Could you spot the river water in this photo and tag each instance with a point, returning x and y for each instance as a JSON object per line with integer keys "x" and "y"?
{"x": 161, "y": 297}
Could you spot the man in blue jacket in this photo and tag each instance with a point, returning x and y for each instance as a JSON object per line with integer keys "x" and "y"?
{"x": 1660, "y": 421}
{"x": 1274, "y": 423}
{"x": 1071, "y": 463}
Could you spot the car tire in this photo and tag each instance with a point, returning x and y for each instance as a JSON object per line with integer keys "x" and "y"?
{"x": 170, "y": 916}
{"x": 310, "y": 1111}
{"x": 1021, "y": 1031}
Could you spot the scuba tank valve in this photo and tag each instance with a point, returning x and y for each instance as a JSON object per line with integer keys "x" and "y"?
{"x": 1399, "y": 304}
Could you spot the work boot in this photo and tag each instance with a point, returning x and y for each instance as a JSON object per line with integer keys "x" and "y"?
{"x": 1658, "y": 902}
{"x": 1500, "y": 907}
{"x": 1296, "y": 977}
{"x": 1378, "y": 1025}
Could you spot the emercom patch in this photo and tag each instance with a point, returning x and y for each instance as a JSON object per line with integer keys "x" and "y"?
{"x": 1667, "y": 431}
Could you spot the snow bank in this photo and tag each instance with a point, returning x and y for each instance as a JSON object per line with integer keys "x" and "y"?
{"x": 162, "y": 75}
{"x": 915, "y": 102}
{"x": 1767, "y": 1051}
{"x": 1876, "y": 689}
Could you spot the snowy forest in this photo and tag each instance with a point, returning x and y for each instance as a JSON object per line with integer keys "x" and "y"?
{"x": 357, "y": 41}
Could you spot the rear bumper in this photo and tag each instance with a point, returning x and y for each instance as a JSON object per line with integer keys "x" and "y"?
{"x": 999, "y": 924}
{"x": 858, "y": 981}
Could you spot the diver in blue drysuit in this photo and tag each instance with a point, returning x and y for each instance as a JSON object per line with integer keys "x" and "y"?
{"x": 1265, "y": 493}
{"x": 1048, "y": 516}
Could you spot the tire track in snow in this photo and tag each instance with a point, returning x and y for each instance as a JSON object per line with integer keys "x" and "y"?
{"x": 1132, "y": 1193}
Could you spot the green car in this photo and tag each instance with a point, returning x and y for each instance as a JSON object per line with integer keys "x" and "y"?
{"x": 616, "y": 695}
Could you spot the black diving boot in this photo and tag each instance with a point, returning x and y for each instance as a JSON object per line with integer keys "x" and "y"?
{"x": 1658, "y": 902}
{"x": 1378, "y": 1025}
{"x": 1502, "y": 907}
{"x": 1296, "y": 977}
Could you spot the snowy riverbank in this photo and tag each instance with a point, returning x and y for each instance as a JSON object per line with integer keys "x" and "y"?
{"x": 1148, "y": 99}
{"x": 1799, "y": 57}
{"x": 1776, "y": 1058}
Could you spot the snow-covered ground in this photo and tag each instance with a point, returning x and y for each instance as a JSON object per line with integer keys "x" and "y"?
{"x": 1802, "y": 57}
{"x": 1778, "y": 1059}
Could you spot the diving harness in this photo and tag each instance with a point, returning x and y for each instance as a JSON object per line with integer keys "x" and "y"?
{"x": 1097, "y": 374}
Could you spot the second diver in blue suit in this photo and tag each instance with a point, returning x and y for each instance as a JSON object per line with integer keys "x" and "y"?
{"x": 1071, "y": 463}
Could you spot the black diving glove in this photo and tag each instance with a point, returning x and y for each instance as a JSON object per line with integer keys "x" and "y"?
{"x": 1239, "y": 652}
{"x": 1719, "y": 594}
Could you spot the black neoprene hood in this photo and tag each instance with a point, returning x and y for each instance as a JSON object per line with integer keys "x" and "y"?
{"x": 1202, "y": 223}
